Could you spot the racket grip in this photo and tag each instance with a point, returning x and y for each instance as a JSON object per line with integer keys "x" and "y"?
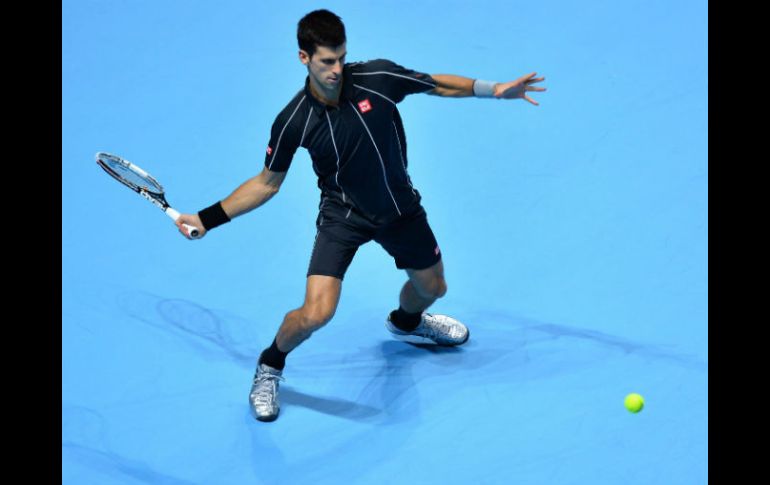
{"x": 192, "y": 230}
{"x": 194, "y": 233}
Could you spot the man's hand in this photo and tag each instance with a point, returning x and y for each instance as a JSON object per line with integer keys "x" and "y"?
{"x": 192, "y": 220}
{"x": 519, "y": 88}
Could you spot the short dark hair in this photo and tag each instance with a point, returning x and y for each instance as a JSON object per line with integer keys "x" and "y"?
{"x": 320, "y": 28}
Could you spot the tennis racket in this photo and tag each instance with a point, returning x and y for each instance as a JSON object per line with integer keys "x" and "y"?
{"x": 140, "y": 182}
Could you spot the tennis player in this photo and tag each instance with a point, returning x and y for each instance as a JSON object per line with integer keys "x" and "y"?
{"x": 346, "y": 117}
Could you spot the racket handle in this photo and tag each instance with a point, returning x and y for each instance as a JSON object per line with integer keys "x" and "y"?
{"x": 192, "y": 230}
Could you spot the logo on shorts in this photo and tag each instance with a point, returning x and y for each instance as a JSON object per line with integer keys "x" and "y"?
{"x": 437, "y": 250}
{"x": 365, "y": 106}
{"x": 269, "y": 150}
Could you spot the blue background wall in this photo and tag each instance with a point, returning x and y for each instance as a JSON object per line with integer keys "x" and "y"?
{"x": 574, "y": 237}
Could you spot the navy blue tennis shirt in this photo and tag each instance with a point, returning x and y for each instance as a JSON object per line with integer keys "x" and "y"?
{"x": 358, "y": 149}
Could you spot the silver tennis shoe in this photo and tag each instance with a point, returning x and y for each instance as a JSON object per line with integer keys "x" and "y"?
{"x": 264, "y": 393}
{"x": 433, "y": 329}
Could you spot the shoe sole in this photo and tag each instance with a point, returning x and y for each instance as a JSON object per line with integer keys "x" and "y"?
{"x": 416, "y": 339}
{"x": 267, "y": 419}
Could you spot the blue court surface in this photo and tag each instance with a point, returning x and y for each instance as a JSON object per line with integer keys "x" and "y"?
{"x": 574, "y": 237}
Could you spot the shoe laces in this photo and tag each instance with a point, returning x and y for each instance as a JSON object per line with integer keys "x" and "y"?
{"x": 264, "y": 391}
{"x": 435, "y": 327}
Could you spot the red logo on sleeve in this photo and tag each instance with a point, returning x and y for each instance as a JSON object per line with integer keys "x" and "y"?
{"x": 364, "y": 106}
{"x": 269, "y": 150}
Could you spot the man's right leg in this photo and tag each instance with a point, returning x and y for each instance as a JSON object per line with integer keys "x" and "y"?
{"x": 340, "y": 233}
{"x": 321, "y": 298}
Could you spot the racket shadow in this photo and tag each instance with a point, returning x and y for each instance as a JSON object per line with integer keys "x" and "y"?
{"x": 211, "y": 334}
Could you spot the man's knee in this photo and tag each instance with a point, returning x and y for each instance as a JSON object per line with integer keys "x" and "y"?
{"x": 315, "y": 316}
{"x": 435, "y": 288}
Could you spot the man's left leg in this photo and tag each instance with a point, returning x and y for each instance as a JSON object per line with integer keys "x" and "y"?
{"x": 411, "y": 324}
{"x": 413, "y": 246}
{"x": 424, "y": 287}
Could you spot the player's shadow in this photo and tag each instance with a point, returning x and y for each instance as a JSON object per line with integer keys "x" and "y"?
{"x": 389, "y": 396}
{"x": 387, "y": 365}
{"x": 328, "y": 405}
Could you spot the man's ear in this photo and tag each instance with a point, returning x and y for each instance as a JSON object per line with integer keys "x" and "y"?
{"x": 304, "y": 58}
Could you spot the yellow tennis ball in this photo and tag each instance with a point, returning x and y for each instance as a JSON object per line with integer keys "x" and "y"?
{"x": 634, "y": 402}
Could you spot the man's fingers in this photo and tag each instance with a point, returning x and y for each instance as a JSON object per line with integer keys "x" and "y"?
{"x": 535, "y": 89}
{"x": 531, "y": 100}
{"x": 523, "y": 79}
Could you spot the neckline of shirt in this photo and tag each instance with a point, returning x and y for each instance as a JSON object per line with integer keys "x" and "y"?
{"x": 347, "y": 93}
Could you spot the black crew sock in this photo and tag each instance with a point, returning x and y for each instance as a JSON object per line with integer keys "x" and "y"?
{"x": 273, "y": 357}
{"x": 405, "y": 321}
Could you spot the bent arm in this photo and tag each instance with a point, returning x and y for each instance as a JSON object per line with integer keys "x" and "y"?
{"x": 253, "y": 193}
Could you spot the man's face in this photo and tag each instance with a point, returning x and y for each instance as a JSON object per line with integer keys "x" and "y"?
{"x": 326, "y": 65}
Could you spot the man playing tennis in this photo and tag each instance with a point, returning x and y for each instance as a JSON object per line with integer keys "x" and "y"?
{"x": 346, "y": 117}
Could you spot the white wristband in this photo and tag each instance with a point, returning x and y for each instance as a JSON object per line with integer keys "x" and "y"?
{"x": 484, "y": 89}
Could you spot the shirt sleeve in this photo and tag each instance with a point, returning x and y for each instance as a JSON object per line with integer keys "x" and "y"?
{"x": 284, "y": 138}
{"x": 394, "y": 81}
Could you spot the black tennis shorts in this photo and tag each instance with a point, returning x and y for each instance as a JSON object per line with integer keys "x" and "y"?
{"x": 341, "y": 231}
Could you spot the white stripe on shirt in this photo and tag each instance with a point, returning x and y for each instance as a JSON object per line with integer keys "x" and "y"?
{"x": 278, "y": 143}
{"x": 403, "y": 163}
{"x": 392, "y": 74}
{"x": 336, "y": 175}
{"x": 375, "y": 92}
{"x": 306, "y": 123}
{"x": 382, "y": 163}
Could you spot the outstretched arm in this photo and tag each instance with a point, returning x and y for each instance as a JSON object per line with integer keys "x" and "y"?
{"x": 452, "y": 86}
{"x": 460, "y": 87}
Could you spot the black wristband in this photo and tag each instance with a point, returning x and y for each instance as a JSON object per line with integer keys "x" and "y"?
{"x": 213, "y": 216}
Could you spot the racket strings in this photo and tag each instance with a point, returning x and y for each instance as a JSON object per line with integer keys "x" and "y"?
{"x": 124, "y": 173}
